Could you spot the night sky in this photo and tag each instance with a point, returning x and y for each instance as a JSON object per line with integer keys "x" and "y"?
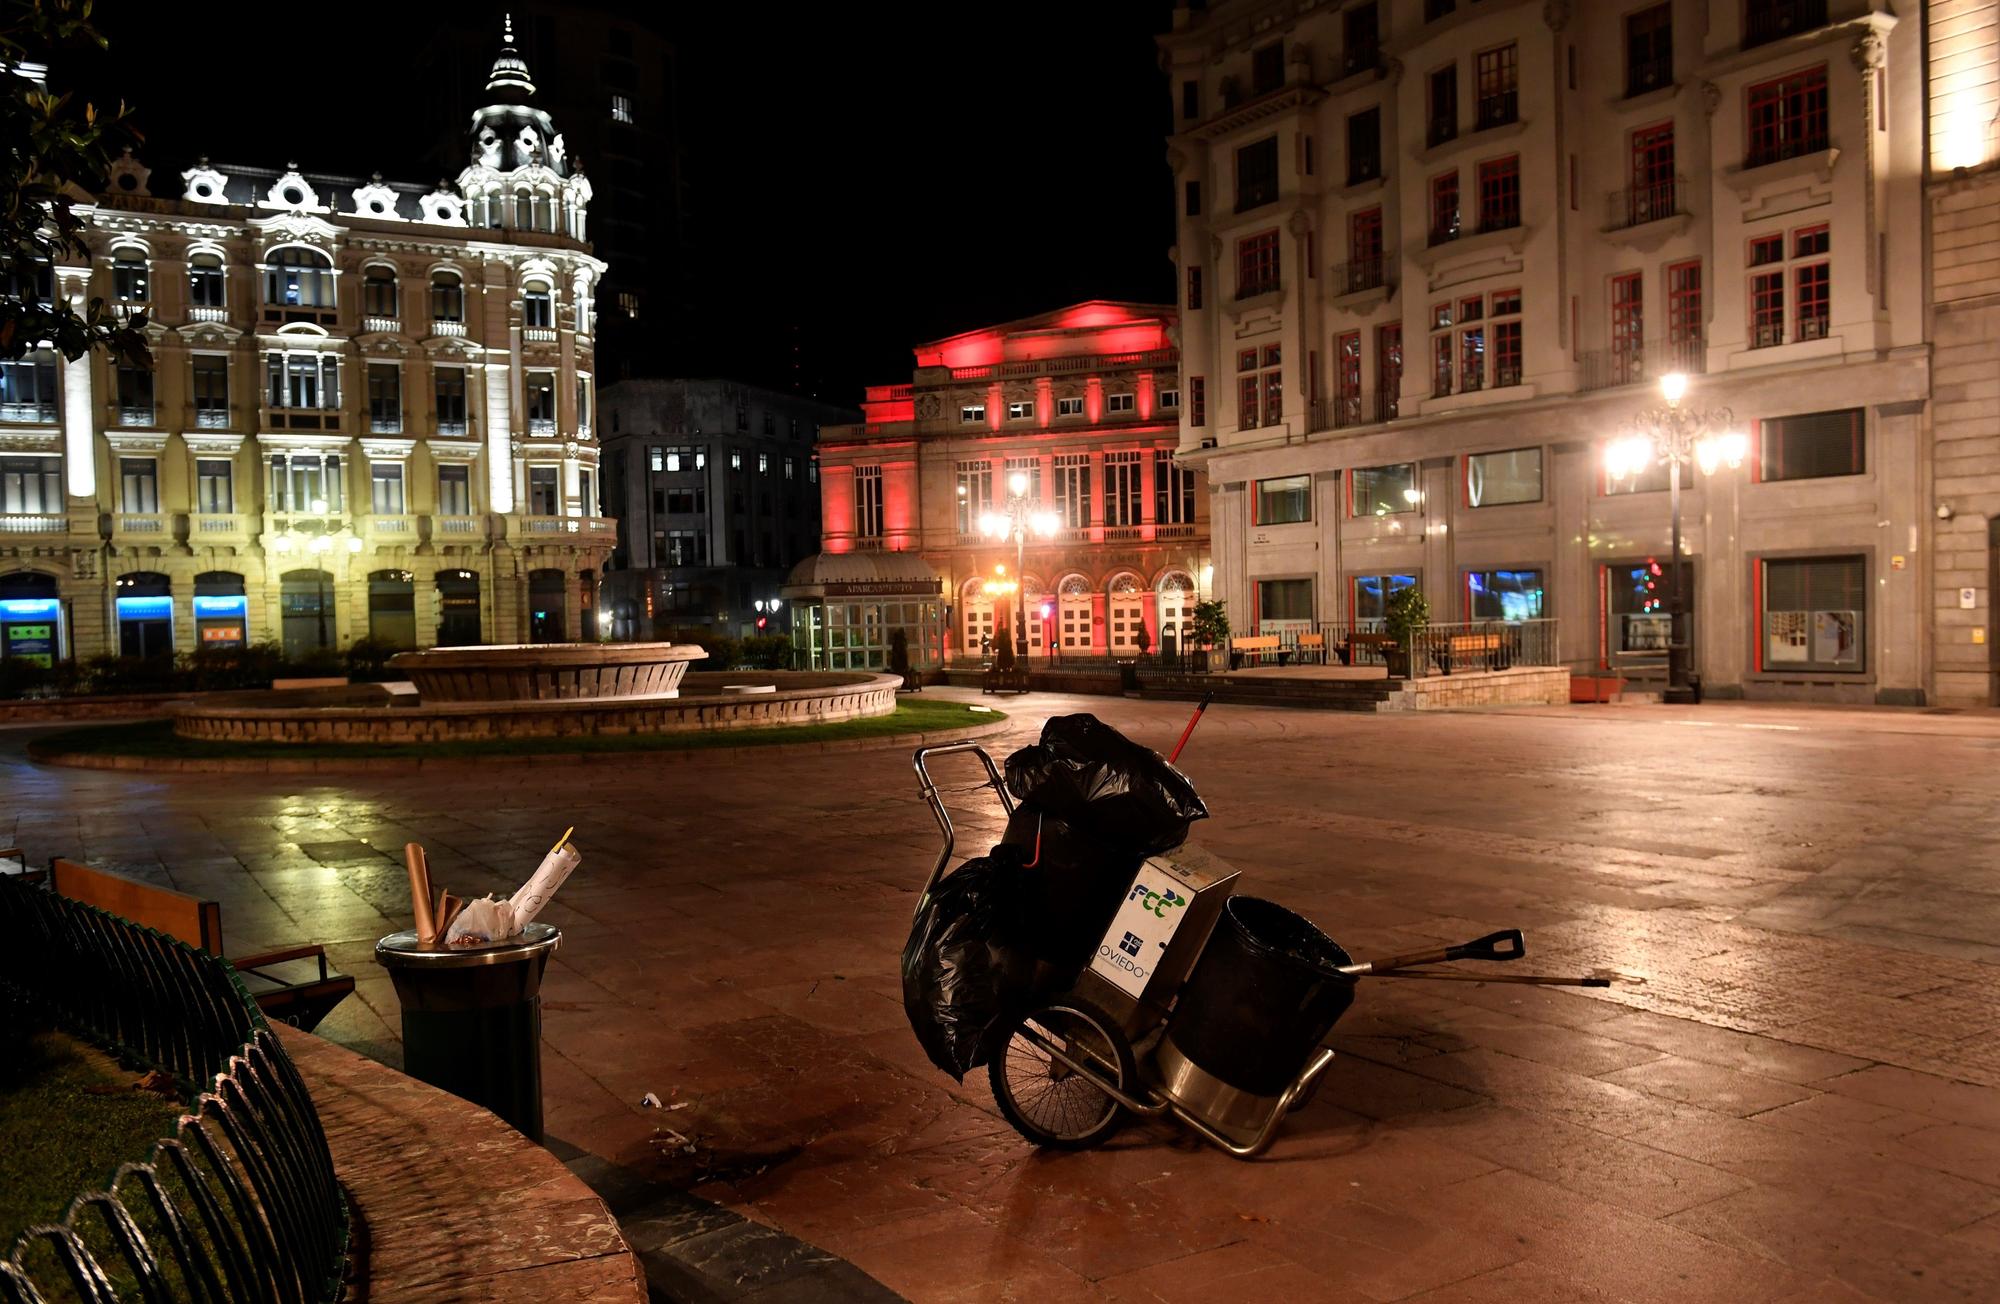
{"x": 860, "y": 178}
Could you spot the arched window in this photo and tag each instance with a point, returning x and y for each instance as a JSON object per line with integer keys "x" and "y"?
{"x": 447, "y": 297}
{"x": 1176, "y": 608}
{"x": 538, "y": 304}
{"x": 206, "y": 286}
{"x": 128, "y": 276}
{"x": 1126, "y": 614}
{"x": 298, "y": 278}
{"x": 378, "y": 293}
{"x": 1073, "y": 614}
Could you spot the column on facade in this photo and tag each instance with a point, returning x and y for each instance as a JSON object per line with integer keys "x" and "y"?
{"x": 1148, "y": 496}
{"x": 1098, "y": 493}
{"x": 1045, "y": 402}
{"x": 1100, "y": 623}
{"x": 79, "y": 450}
{"x": 499, "y": 438}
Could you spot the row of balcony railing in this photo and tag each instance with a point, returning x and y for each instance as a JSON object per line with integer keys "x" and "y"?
{"x": 371, "y": 323}
{"x": 1068, "y": 364}
{"x": 204, "y": 417}
{"x": 216, "y": 526}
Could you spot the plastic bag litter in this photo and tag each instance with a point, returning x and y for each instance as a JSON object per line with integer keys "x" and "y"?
{"x": 1071, "y": 888}
{"x": 961, "y": 973}
{"x": 1108, "y": 787}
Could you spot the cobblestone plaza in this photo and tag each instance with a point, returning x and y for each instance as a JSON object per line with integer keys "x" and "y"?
{"x": 1792, "y": 1092}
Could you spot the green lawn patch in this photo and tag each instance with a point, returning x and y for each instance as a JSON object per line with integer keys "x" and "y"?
{"x": 155, "y": 739}
{"x": 58, "y": 1137}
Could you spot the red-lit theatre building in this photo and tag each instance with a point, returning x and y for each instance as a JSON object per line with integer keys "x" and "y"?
{"x": 1083, "y": 404}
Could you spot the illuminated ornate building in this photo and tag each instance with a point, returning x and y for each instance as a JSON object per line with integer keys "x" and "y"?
{"x": 1963, "y": 185}
{"x": 1073, "y": 411}
{"x": 1435, "y": 256}
{"x": 368, "y": 414}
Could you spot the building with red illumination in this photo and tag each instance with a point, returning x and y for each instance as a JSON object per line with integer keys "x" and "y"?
{"x": 1080, "y": 408}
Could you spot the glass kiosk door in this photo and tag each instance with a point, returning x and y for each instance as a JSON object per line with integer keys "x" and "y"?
{"x": 30, "y": 618}
{"x": 221, "y": 612}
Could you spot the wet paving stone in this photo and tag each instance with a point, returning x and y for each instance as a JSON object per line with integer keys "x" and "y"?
{"x": 1791, "y": 1093}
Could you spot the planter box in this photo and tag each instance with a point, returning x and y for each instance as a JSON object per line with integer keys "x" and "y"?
{"x": 1595, "y": 688}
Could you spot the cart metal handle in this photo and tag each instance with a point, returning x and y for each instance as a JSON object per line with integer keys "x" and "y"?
{"x": 927, "y": 786}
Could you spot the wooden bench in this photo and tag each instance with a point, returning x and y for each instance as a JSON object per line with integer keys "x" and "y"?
{"x": 1381, "y": 643}
{"x": 291, "y": 996}
{"x": 1257, "y": 645}
{"x": 1468, "y": 648}
{"x": 1312, "y": 645}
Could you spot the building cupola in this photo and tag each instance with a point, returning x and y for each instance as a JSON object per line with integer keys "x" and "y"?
{"x": 520, "y": 175}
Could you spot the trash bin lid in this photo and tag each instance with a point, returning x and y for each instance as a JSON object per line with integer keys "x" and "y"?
{"x": 403, "y": 951}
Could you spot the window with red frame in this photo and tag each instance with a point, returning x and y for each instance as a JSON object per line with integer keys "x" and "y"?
{"x": 1388, "y": 370}
{"x": 1684, "y": 333}
{"x": 1194, "y": 288}
{"x": 1441, "y": 347}
{"x": 1505, "y": 323}
{"x": 1809, "y": 275}
{"x": 1471, "y": 345}
{"x": 1444, "y": 207}
{"x": 1365, "y": 269}
{"x": 1812, "y": 282}
{"x": 1767, "y": 309}
{"x": 1197, "y": 401}
{"x": 1628, "y": 329}
{"x": 1500, "y": 193}
{"x": 1497, "y": 73}
{"x": 1257, "y": 264}
{"x": 1652, "y": 194}
{"x": 1260, "y": 387}
{"x": 1786, "y": 117}
{"x": 1347, "y": 379}
{"x": 1274, "y": 387}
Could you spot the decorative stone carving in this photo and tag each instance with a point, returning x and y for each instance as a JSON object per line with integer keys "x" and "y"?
{"x": 1176, "y": 160}
{"x": 376, "y": 200}
{"x": 1711, "y": 98}
{"x": 128, "y": 175}
{"x": 1868, "y": 51}
{"x": 557, "y": 152}
{"x": 292, "y": 193}
{"x": 928, "y": 406}
{"x": 443, "y": 208}
{"x": 1299, "y": 222}
{"x": 1556, "y": 14}
{"x": 204, "y": 184}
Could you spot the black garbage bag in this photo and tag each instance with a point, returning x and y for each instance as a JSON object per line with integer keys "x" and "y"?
{"x": 963, "y": 968}
{"x": 1105, "y": 785}
{"x": 1071, "y": 888}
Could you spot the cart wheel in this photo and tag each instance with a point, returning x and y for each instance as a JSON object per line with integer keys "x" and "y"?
{"x": 1048, "y": 1102}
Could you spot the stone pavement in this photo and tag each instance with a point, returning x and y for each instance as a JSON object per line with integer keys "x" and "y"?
{"x": 1793, "y": 1094}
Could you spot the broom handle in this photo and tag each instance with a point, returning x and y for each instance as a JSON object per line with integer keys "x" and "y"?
{"x": 1193, "y": 720}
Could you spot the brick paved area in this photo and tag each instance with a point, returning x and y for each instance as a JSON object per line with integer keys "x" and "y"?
{"x": 1794, "y": 1094}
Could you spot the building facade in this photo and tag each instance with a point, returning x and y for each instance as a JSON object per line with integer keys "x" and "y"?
{"x": 1078, "y": 408}
{"x": 1435, "y": 256}
{"x": 716, "y": 492}
{"x": 1963, "y": 206}
{"x": 368, "y": 415}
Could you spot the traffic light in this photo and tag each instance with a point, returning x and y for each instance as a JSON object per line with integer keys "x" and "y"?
{"x": 762, "y": 621}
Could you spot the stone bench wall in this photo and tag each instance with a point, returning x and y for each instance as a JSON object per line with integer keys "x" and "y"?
{"x": 822, "y": 699}
{"x": 1520, "y": 686}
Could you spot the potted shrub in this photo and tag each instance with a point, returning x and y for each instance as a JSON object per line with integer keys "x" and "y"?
{"x": 1209, "y": 628}
{"x": 1406, "y": 617}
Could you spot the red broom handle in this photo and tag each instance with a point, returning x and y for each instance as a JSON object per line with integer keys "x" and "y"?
{"x": 1193, "y": 720}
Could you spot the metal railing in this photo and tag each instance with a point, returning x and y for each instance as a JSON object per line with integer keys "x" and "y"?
{"x": 1358, "y": 274}
{"x": 1771, "y": 20}
{"x": 37, "y": 412}
{"x": 1638, "y": 205}
{"x": 1445, "y": 648}
{"x": 242, "y": 1201}
{"x": 1497, "y": 109}
{"x": 1607, "y": 368}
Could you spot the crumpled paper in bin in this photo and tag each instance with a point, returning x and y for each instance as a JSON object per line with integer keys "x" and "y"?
{"x": 490, "y": 919}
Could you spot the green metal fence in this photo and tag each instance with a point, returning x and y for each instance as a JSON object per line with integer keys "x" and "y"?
{"x": 241, "y": 1203}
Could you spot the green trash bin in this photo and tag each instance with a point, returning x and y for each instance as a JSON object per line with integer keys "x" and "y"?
{"x": 472, "y": 1019}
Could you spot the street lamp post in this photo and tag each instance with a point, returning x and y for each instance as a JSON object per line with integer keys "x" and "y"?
{"x": 1023, "y": 516}
{"x": 1677, "y": 435}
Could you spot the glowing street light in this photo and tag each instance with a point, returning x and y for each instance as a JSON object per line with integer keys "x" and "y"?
{"x": 1677, "y": 436}
{"x": 1021, "y": 517}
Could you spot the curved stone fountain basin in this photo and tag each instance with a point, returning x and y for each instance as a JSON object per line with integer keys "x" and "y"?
{"x": 539, "y": 672}
{"x": 369, "y": 713}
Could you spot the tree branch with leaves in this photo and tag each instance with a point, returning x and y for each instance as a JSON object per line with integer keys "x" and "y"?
{"x": 57, "y": 151}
